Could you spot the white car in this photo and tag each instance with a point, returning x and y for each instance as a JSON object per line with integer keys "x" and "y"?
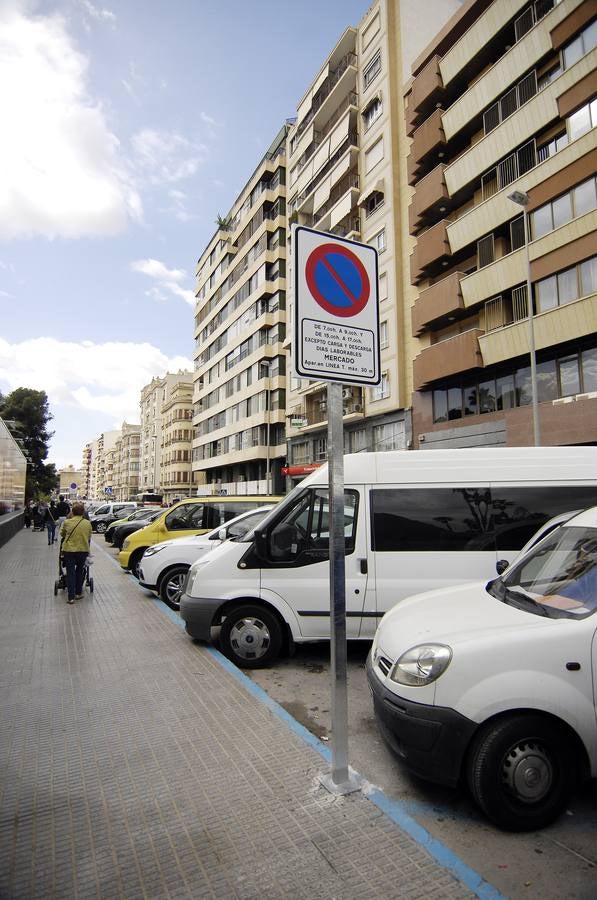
{"x": 164, "y": 566}
{"x": 496, "y": 684}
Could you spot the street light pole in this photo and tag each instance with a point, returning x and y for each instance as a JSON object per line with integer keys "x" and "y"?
{"x": 522, "y": 199}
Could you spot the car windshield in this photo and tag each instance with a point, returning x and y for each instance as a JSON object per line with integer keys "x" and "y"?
{"x": 557, "y": 578}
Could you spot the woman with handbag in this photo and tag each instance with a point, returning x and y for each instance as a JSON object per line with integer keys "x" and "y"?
{"x": 75, "y": 536}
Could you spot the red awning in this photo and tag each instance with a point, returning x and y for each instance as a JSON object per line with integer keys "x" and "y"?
{"x": 301, "y": 470}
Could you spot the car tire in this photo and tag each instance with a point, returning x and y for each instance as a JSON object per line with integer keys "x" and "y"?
{"x": 251, "y": 636}
{"x": 521, "y": 772}
{"x": 100, "y": 527}
{"x": 170, "y": 587}
{"x": 135, "y": 561}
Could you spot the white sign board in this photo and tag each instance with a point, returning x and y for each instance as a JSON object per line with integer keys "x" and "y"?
{"x": 336, "y": 310}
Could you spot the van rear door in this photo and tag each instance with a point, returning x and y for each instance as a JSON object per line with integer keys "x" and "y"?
{"x": 297, "y": 567}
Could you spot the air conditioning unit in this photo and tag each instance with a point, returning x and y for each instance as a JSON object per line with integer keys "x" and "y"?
{"x": 346, "y": 393}
{"x": 323, "y": 405}
{"x": 358, "y": 407}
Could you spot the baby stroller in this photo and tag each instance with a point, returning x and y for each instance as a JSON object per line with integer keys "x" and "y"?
{"x": 38, "y": 521}
{"x": 60, "y": 583}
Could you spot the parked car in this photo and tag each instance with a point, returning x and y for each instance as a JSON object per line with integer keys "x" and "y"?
{"x": 164, "y": 566}
{"x": 197, "y": 515}
{"x": 122, "y": 531}
{"x": 137, "y": 515}
{"x": 107, "y": 513}
{"x": 496, "y": 684}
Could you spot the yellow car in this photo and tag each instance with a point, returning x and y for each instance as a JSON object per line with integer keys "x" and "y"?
{"x": 193, "y": 516}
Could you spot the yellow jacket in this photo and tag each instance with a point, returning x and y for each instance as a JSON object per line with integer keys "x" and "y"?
{"x": 76, "y": 534}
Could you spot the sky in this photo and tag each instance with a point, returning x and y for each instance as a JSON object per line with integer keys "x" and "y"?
{"x": 126, "y": 128}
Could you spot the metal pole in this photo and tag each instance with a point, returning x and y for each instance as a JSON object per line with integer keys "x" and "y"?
{"x": 339, "y": 706}
{"x": 534, "y": 400}
{"x": 268, "y": 414}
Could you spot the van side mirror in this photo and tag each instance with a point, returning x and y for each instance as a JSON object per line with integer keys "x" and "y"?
{"x": 501, "y": 566}
{"x": 260, "y": 543}
{"x": 222, "y": 534}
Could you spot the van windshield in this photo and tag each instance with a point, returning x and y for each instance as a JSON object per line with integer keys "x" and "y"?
{"x": 557, "y": 578}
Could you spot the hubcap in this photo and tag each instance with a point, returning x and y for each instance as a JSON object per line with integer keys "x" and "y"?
{"x": 527, "y": 772}
{"x": 250, "y": 638}
{"x": 174, "y": 588}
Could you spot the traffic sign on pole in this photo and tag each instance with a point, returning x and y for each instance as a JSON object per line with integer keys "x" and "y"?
{"x": 336, "y": 312}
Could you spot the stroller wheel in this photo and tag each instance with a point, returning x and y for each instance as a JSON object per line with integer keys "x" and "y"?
{"x": 56, "y": 586}
{"x": 90, "y": 582}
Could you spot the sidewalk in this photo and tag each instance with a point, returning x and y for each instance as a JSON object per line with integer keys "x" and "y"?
{"x": 134, "y": 765}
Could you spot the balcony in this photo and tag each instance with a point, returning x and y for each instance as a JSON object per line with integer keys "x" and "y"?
{"x": 458, "y": 354}
{"x": 431, "y": 192}
{"x": 427, "y": 138}
{"x": 432, "y": 247}
{"x": 442, "y": 299}
{"x": 427, "y": 89}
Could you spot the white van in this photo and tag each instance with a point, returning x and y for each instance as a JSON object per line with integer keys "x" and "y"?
{"x": 496, "y": 684}
{"x": 414, "y": 521}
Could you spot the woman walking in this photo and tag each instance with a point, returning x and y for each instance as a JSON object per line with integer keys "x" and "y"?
{"x": 75, "y": 536}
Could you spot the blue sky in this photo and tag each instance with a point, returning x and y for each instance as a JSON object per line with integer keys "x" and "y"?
{"x": 126, "y": 128}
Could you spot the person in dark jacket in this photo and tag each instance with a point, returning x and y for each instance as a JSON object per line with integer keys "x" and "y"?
{"x": 49, "y": 521}
{"x": 62, "y": 511}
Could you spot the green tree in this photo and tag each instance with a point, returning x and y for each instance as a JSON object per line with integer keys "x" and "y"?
{"x": 27, "y": 413}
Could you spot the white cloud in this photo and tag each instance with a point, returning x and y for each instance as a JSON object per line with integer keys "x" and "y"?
{"x": 61, "y": 172}
{"x": 106, "y": 378}
{"x": 102, "y": 14}
{"x": 165, "y": 157}
{"x": 168, "y": 280}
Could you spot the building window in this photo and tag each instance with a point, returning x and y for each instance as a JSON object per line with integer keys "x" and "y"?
{"x": 374, "y": 155}
{"x": 373, "y": 202}
{"x": 371, "y": 70}
{"x": 383, "y": 286}
{"x": 372, "y": 113}
{"x": 566, "y": 286}
{"x": 574, "y": 203}
{"x": 379, "y": 241}
{"x": 300, "y": 453}
{"x": 582, "y": 120}
{"x": 357, "y": 440}
{"x": 390, "y": 436}
{"x": 381, "y": 390}
{"x": 321, "y": 448}
{"x": 582, "y": 44}
{"x": 383, "y": 334}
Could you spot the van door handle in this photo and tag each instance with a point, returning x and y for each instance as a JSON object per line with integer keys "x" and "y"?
{"x": 363, "y": 566}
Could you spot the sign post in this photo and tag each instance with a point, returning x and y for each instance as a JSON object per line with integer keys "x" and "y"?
{"x": 336, "y": 339}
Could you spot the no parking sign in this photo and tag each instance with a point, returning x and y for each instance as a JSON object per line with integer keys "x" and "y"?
{"x": 336, "y": 314}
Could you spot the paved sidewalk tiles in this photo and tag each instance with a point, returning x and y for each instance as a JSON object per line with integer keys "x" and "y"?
{"x": 134, "y": 765}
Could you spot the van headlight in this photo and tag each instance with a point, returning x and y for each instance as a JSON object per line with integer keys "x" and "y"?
{"x": 421, "y": 665}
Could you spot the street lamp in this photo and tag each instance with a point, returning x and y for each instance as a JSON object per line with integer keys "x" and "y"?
{"x": 522, "y": 199}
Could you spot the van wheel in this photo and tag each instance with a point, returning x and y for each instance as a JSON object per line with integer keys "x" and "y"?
{"x": 251, "y": 637}
{"x": 520, "y": 772}
{"x": 100, "y": 527}
{"x": 135, "y": 561}
{"x": 171, "y": 585}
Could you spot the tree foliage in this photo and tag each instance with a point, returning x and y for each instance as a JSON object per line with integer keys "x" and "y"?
{"x": 27, "y": 413}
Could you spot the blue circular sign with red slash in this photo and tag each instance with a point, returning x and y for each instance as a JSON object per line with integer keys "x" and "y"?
{"x": 337, "y": 280}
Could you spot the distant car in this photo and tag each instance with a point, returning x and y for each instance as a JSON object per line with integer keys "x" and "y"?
{"x": 122, "y": 531}
{"x": 142, "y": 514}
{"x": 164, "y": 566}
{"x": 108, "y": 513}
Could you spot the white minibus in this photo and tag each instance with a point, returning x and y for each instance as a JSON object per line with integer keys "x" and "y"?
{"x": 414, "y": 521}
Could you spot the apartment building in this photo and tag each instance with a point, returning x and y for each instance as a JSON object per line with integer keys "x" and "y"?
{"x": 89, "y": 451}
{"x": 502, "y": 109}
{"x": 127, "y": 462}
{"x": 71, "y": 482}
{"x": 347, "y": 175}
{"x": 102, "y": 464}
{"x": 176, "y": 477}
{"x": 240, "y": 326}
{"x": 153, "y": 396}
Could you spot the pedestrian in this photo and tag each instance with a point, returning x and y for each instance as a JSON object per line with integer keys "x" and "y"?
{"x": 62, "y": 511}
{"x": 28, "y": 514}
{"x": 50, "y": 522}
{"x": 75, "y": 536}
